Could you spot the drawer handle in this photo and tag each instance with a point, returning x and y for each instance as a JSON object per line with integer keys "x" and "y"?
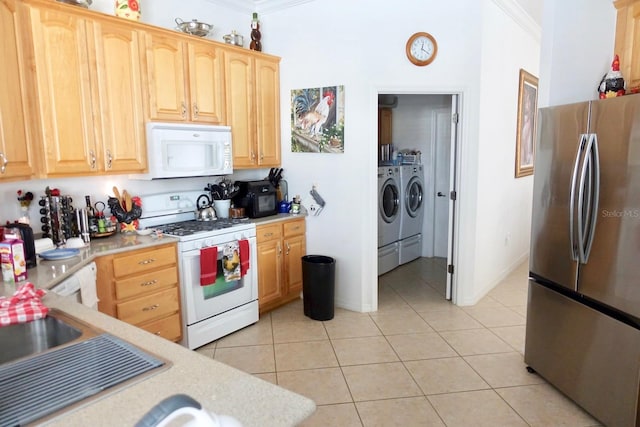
{"x": 146, "y": 261}
{"x": 288, "y": 249}
{"x": 149, "y": 283}
{"x": 268, "y": 234}
{"x": 151, "y": 307}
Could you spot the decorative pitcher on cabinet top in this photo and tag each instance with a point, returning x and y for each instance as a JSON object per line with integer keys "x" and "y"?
{"x": 129, "y": 9}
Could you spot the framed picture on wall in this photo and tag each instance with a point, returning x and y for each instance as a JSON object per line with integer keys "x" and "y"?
{"x": 317, "y": 120}
{"x": 526, "y": 127}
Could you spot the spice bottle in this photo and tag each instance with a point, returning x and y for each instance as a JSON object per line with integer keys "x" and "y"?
{"x": 255, "y": 34}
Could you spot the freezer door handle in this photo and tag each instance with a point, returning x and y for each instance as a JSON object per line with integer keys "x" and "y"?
{"x": 589, "y": 198}
{"x": 572, "y": 199}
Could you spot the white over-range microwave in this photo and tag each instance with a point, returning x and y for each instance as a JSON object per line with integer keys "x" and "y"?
{"x": 178, "y": 150}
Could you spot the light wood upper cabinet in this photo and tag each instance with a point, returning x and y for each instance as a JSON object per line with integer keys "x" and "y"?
{"x": 185, "y": 79}
{"x": 206, "y": 83}
{"x": 15, "y": 144}
{"x": 88, "y": 96}
{"x": 65, "y": 125}
{"x": 253, "y": 108}
{"x": 628, "y": 41}
{"x": 118, "y": 95}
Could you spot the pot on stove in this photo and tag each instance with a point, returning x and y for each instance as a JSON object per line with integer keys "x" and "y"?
{"x": 205, "y": 209}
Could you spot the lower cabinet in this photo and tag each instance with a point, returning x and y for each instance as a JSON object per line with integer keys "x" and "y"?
{"x": 281, "y": 246}
{"x": 141, "y": 287}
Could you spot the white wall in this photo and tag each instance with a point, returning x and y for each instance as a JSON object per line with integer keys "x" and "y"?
{"x": 504, "y": 202}
{"x": 577, "y": 49}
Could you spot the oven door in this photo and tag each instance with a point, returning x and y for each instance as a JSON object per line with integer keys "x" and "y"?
{"x": 203, "y": 302}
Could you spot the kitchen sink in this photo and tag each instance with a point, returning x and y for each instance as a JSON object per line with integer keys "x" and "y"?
{"x": 26, "y": 339}
{"x": 51, "y": 365}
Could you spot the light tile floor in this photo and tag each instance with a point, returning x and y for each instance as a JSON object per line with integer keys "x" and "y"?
{"x": 418, "y": 361}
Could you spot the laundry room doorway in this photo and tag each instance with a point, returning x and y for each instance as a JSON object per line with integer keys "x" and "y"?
{"x": 422, "y": 129}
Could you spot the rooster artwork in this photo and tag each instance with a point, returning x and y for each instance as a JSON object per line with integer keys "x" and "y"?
{"x": 317, "y": 120}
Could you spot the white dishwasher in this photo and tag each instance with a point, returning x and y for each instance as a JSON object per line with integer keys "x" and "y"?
{"x": 82, "y": 285}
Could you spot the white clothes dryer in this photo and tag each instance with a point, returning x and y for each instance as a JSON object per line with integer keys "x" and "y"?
{"x": 389, "y": 212}
{"x": 412, "y": 207}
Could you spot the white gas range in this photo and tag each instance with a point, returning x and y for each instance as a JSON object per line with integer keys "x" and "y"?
{"x": 218, "y": 271}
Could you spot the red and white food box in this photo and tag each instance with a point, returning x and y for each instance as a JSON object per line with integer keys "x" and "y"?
{"x": 12, "y": 259}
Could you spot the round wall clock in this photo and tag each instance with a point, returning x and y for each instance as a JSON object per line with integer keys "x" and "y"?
{"x": 422, "y": 49}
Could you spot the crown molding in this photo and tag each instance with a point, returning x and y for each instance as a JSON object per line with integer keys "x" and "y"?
{"x": 260, "y": 6}
{"x": 520, "y": 16}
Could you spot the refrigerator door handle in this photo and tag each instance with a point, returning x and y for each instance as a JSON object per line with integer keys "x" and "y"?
{"x": 588, "y": 196}
{"x": 594, "y": 191}
{"x": 572, "y": 199}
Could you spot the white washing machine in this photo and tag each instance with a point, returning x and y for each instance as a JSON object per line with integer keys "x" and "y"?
{"x": 412, "y": 208}
{"x": 389, "y": 214}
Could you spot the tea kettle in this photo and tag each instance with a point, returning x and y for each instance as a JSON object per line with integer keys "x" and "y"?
{"x": 205, "y": 209}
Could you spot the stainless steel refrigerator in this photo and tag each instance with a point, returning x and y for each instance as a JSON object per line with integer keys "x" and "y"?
{"x": 583, "y": 314}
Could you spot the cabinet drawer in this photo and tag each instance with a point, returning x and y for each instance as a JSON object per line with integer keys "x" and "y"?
{"x": 293, "y": 228}
{"x": 146, "y": 282}
{"x": 268, "y": 232}
{"x": 140, "y": 261}
{"x": 167, "y": 327}
{"x": 149, "y": 307}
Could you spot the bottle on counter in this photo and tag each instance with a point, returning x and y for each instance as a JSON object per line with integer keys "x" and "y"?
{"x": 91, "y": 215}
{"x": 256, "y": 44}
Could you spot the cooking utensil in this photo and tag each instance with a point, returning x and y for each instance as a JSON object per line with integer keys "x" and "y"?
{"x": 116, "y": 193}
{"x": 234, "y": 38}
{"x": 127, "y": 201}
{"x": 194, "y": 27}
{"x": 206, "y": 212}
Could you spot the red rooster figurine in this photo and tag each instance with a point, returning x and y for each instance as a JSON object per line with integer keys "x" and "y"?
{"x": 612, "y": 84}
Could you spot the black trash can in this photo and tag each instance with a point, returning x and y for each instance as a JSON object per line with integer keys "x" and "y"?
{"x": 318, "y": 286}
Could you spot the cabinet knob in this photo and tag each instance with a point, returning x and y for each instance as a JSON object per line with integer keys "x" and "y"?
{"x": 92, "y": 160}
{"x": 196, "y": 111}
{"x": 288, "y": 249}
{"x": 279, "y": 249}
{"x": 109, "y": 159}
{"x": 151, "y": 307}
{"x": 5, "y": 162}
{"x": 149, "y": 283}
{"x": 184, "y": 110}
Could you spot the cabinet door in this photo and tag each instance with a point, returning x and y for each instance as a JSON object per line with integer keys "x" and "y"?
{"x": 206, "y": 83}
{"x": 165, "y": 72}
{"x": 118, "y": 96}
{"x": 68, "y": 133}
{"x": 267, "y": 93}
{"x": 294, "y": 249}
{"x": 384, "y": 126}
{"x": 628, "y": 42}
{"x": 269, "y": 272}
{"x": 15, "y": 160}
{"x": 239, "y": 98}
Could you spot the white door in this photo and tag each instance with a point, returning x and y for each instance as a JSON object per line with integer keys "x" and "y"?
{"x": 444, "y": 187}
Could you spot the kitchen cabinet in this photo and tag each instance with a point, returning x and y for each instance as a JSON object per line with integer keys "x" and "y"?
{"x": 16, "y": 160}
{"x": 87, "y": 96}
{"x": 627, "y": 44}
{"x": 141, "y": 287}
{"x": 281, "y": 246}
{"x": 252, "y": 83}
{"x": 185, "y": 79}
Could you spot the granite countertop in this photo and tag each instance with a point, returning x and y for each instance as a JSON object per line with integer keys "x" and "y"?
{"x": 218, "y": 387}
